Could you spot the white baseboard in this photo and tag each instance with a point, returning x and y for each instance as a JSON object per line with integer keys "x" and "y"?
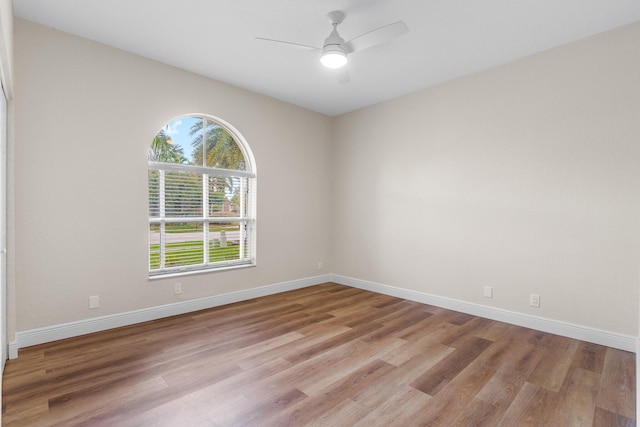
{"x": 597, "y": 336}
{"x": 67, "y": 330}
{"x": 13, "y": 349}
{"x": 72, "y": 329}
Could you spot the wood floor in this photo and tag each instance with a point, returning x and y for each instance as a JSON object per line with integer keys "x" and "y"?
{"x": 327, "y": 355}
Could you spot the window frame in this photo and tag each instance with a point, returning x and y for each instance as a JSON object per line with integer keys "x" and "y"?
{"x": 247, "y": 210}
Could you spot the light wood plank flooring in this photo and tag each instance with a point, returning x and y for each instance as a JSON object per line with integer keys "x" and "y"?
{"x": 327, "y": 355}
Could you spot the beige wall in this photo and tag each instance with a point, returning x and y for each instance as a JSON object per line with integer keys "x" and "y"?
{"x": 525, "y": 177}
{"x": 85, "y": 117}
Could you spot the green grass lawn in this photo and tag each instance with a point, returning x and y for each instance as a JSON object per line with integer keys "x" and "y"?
{"x": 190, "y": 253}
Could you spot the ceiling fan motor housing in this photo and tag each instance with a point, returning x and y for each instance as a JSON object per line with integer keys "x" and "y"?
{"x": 334, "y": 54}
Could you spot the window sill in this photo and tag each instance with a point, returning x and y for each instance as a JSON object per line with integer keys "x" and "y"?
{"x": 192, "y": 272}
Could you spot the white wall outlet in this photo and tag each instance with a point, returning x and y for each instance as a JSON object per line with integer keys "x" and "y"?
{"x": 177, "y": 288}
{"x": 534, "y": 300}
{"x": 94, "y": 301}
{"x": 320, "y": 265}
{"x": 488, "y": 291}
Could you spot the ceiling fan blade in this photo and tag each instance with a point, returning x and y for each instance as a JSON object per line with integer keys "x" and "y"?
{"x": 298, "y": 45}
{"x": 343, "y": 76}
{"x": 377, "y": 36}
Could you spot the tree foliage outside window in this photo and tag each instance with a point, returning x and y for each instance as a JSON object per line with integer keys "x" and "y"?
{"x": 163, "y": 150}
{"x": 201, "y": 198}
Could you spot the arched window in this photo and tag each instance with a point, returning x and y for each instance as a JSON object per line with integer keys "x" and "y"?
{"x": 202, "y": 183}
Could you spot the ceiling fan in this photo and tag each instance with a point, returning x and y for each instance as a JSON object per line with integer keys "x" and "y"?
{"x": 335, "y": 50}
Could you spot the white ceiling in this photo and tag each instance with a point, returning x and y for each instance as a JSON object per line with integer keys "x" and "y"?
{"x": 446, "y": 39}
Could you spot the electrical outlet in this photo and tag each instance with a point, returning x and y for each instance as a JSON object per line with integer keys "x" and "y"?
{"x": 94, "y": 302}
{"x": 177, "y": 288}
{"x": 320, "y": 265}
{"x": 534, "y": 300}
{"x": 488, "y": 291}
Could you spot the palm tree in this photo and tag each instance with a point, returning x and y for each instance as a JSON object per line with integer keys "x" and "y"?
{"x": 162, "y": 150}
{"x": 221, "y": 149}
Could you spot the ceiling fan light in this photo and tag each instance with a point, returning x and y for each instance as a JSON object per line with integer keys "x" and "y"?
{"x": 333, "y": 58}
